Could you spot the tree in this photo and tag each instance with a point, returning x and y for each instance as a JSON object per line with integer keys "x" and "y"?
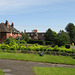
{"x": 50, "y": 35}
{"x": 70, "y": 28}
{"x": 62, "y": 38}
{"x": 25, "y": 37}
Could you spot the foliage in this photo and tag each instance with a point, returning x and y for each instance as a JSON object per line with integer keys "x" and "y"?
{"x": 22, "y": 47}
{"x": 35, "y": 47}
{"x": 49, "y": 35}
{"x": 25, "y": 37}
{"x": 41, "y": 42}
{"x": 23, "y": 42}
{"x": 13, "y": 47}
{"x": 70, "y": 28}
{"x": 62, "y": 38}
{"x": 5, "y": 47}
{"x": 10, "y": 41}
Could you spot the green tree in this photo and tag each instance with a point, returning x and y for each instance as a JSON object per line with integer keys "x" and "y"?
{"x": 62, "y": 38}
{"x": 50, "y": 35}
{"x": 70, "y": 28}
{"x": 25, "y": 37}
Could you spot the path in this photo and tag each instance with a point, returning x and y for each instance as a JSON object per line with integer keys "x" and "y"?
{"x": 15, "y": 67}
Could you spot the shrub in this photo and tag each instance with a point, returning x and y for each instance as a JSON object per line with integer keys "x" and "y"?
{"x": 56, "y": 48}
{"x": 13, "y": 47}
{"x": 22, "y": 42}
{"x": 5, "y": 47}
{"x": 10, "y": 41}
{"x": 50, "y": 49}
{"x": 17, "y": 42}
{"x": 22, "y": 47}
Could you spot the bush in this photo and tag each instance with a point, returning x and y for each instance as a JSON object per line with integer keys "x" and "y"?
{"x": 50, "y": 49}
{"x": 22, "y": 42}
{"x": 10, "y": 41}
{"x": 56, "y": 48}
{"x": 13, "y": 47}
{"x": 22, "y": 47}
{"x": 5, "y": 47}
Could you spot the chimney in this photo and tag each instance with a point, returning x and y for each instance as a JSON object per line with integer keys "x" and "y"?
{"x": 7, "y": 24}
{"x": 24, "y": 31}
{"x": 35, "y": 31}
{"x": 12, "y": 25}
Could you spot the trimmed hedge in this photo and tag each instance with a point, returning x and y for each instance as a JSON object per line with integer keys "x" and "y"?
{"x": 40, "y": 42}
{"x": 11, "y": 45}
{"x": 48, "y": 42}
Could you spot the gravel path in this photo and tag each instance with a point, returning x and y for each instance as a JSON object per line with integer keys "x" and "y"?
{"x": 15, "y": 67}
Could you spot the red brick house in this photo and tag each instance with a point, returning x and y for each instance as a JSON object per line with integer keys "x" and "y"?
{"x": 7, "y": 30}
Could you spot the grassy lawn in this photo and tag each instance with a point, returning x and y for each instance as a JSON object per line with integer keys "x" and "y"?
{"x": 54, "y": 71}
{"x": 1, "y": 73}
{"x": 36, "y": 57}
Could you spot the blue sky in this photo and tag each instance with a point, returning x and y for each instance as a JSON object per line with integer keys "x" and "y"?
{"x": 38, "y": 14}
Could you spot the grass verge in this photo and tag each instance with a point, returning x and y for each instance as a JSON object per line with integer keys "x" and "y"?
{"x": 37, "y": 58}
{"x": 1, "y": 72}
{"x": 54, "y": 71}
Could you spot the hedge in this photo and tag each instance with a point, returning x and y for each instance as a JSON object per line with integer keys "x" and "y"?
{"x": 40, "y": 42}
{"x": 38, "y": 48}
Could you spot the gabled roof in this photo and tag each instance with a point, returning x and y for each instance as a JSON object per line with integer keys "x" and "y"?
{"x": 4, "y": 28}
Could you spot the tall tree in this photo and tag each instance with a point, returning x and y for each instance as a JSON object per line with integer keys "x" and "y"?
{"x": 70, "y": 28}
{"x": 50, "y": 35}
{"x": 62, "y": 38}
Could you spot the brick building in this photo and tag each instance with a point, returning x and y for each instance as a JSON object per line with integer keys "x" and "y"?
{"x": 7, "y": 30}
{"x": 35, "y": 35}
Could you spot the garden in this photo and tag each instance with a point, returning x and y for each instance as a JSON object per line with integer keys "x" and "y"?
{"x": 11, "y": 45}
{"x": 21, "y": 50}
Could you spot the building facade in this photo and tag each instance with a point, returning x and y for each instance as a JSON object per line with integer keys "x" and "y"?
{"x": 7, "y": 31}
{"x": 35, "y": 35}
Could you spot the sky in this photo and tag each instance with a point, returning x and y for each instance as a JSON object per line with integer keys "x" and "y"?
{"x": 38, "y": 14}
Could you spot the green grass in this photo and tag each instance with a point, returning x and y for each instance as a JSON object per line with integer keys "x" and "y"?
{"x": 54, "y": 71}
{"x": 37, "y": 58}
{"x": 1, "y": 72}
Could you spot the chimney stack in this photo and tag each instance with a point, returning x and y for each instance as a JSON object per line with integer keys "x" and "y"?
{"x": 12, "y": 25}
{"x": 24, "y": 31}
{"x": 35, "y": 31}
{"x": 7, "y": 24}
